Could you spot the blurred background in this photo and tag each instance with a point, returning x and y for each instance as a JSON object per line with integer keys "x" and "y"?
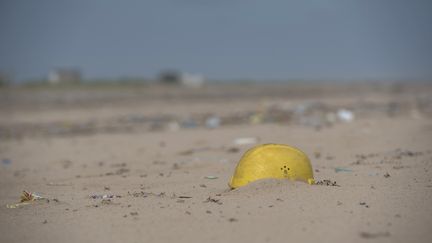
{"x": 125, "y": 64}
{"x": 223, "y": 40}
{"x": 129, "y": 118}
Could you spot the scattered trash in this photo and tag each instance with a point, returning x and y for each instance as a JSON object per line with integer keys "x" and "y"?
{"x": 173, "y": 126}
{"x": 233, "y": 150}
{"x": 26, "y": 198}
{"x": 368, "y": 235}
{"x": 188, "y": 124}
{"x": 16, "y": 205}
{"x": 364, "y": 204}
{"x": 342, "y": 169}
{"x": 311, "y": 114}
{"x": 232, "y": 220}
{"x": 58, "y": 184}
{"x": 223, "y": 160}
{"x": 106, "y": 201}
{"x": 6, "y": 161}
{"x": 213, "y": 122}
{"x": 104, "y": 196}
{"x": 194, "y": 150}
{"x": 175, "y": 166}
{"x": 213, "y": 200}
{"x": 345, "y": 115}
{"x": 386, "y": 175}
{"x": 277, "y": 161}
{"x": 146, "y": 194}
{"x": 210, "y": 177}
{"x": 245, "y": 141}
{"x": 186, "y": 152}
{"x": 326, "y": 183}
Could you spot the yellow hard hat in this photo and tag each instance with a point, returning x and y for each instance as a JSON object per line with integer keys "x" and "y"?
{"x": 277, "y": 161}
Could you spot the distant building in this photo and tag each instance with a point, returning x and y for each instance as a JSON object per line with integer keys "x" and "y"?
{"x": 185, "y": 79}
{"x": 64, "y": 76}
{"x": 192, "y": 80}
{"x": 169, "y": 77}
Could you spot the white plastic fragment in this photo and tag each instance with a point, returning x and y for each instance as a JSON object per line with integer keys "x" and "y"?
{"x": 245, "y": 141}
{"x": 345, "y": 115}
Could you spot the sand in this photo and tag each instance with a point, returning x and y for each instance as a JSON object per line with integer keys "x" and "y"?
{"x": 170, "y": 184}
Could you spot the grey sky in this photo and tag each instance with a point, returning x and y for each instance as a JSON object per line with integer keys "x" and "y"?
{"x": 224, "y": 39}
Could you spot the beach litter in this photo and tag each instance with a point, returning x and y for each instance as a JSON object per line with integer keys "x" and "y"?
{"x": 213, "y": 122}
{"x": 104, "y": 196}
{"x": 211, "y": 177}
{"x": 106, "y": 199}
{"x": 345, "y": 115}
{"x": 6, "y": 161}
{"x": 245, "y": 141}
{"x": 25, "y": 199}
{"x": 213, "y": 200}
{"x": 276, "y": 161}
{"x": 368, "y": 235}
{"x": 342, "y": 169}
{"x": 327, "y": 183}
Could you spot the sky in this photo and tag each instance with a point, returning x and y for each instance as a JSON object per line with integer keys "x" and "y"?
{"x": 223, "y": 39}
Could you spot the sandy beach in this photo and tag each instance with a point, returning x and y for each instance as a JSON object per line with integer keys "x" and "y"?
{"x": 152, "y": 163}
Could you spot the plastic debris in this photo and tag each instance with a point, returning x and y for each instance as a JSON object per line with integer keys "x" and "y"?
{"x": 327, "y": 183}
{"x": 245, "y": 141}
{"x": 6, "y": 161}
{"x": 345, "y": 115}
{"x": 211, "y": 177}
{"x": 26, "y": 198}
{"x": 313, "y": 114}
{"x": 257, "y": 118}
{"x": 104, "y": 196}
{"x": 213, "y": 200}
{"x": 213, "y": 122}
{"x": 189, "y": 124}
{"x": 276, "y": 161}
{"x": 342, "y": 169}
{"x": 16, "y": 205}
{"x": 368, "y": 235}
{"x": 173, "y": 126}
